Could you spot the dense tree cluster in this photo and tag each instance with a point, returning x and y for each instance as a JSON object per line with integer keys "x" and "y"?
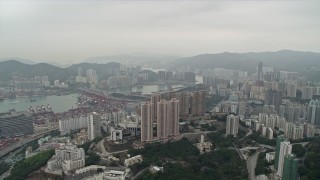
{"x": 207, "y": 127}
{"x": 178, "y": 150}
{"x": 86, "y": 145}
{"x": 26, "y": 166}
{"x": 92, "y": 159}
{"x": 219, "y": 140}
{"x": 220, "y": 117}
{"x": 219, "y": 164}
{"x": 181, "y": 160}
{"x": 298, "y": 150}
{"x": 4, "y": 167}
{"x": 310, "y": 168}
{"x": 261, "y": 140}
{"x": 262, "y": 166}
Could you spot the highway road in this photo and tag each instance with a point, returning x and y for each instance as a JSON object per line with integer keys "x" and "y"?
{"x": 105, "y": 152}
{"x": 193, "y": 133}
{"x": 23, "y": 142}
{"x": 252, "y": 162}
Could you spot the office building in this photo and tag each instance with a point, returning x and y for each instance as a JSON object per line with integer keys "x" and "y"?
{"x": 290, "y": 167}
{"x": 232, "y": 125}
{"x": 147, "y": 122}
{"x": 285, "y": 149}
{"x": 15, "y": 124}
{"x": 94, "y": 125}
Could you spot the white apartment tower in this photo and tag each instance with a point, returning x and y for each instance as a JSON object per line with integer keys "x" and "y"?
{"x": 232, "y": 125}
{"x": 94, "y": 125}
{"x": 285, "y": 149}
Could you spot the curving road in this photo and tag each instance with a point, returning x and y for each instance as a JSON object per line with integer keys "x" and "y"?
{"x": 252, "y": 162}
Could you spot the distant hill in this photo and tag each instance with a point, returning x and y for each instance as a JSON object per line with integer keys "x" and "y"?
{"x": 281, "y": 60}
{"x": 25, "y": 61}
{"x": 155, "y": 60}
{"x": 15, "y": 68}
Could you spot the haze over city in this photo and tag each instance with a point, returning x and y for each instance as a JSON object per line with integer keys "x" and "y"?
{"x": 69, "y": 32}
{"x": 159, "y": 90}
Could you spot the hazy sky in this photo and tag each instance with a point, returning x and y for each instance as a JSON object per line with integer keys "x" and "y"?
{"x": 71, "y": 31}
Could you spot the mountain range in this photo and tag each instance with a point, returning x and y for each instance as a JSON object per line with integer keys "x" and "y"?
{"x": 15, "y": 68}
{"x": 307, "y": 63}
{"x": 282, "y": 60}
{"x": 152, "y": 60}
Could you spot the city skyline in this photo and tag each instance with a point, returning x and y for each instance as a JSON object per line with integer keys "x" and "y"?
{"x": 46, "y": 31}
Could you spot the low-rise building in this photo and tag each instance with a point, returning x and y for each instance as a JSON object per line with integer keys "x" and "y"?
{"x": 67, "y": 158}
{"x": 109, "y": 175}
{"x": 133, "y": 160}
{"x": 204, "y": 146}
{"x": 270, "y": 156}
